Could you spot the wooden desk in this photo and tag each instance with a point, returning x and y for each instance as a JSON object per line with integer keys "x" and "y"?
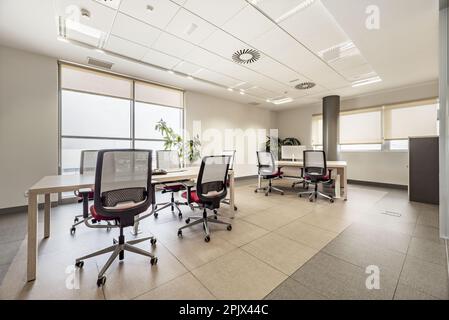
{"x": 66, "y": 183}
{"x": 339, "y": 166}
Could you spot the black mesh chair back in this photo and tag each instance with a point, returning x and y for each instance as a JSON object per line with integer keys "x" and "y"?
{"x": 266, "y": 163}
{"x": 315, "y": 163}
{"x": 167, "y": 159}
{"x": 88, "y": 162}
{"x": 211, "y": 184}
{"x": 230, "y": 153}
{"x": 123, "y": 184}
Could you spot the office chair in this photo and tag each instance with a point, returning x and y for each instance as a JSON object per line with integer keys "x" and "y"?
{"x": 210, "y": 190}
{"x": 230, "y": 153}
{"x": 122, "y": 191}
{"x": 268, "y": 171}
{"x": 168, "y": 159}
{"x": 315, "y": 172}
{"x": 88, "y": 163}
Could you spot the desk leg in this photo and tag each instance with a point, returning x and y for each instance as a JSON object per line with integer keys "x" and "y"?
{"x": 345, "y": 182}
{"x": 32, "y": 237}
{"x": 47, "y": 212}
{"x": 232, "y": 191}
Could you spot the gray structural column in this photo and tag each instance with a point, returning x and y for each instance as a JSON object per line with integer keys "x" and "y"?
{"x": 331, "y": 113}
{"x": 444, "y": 123}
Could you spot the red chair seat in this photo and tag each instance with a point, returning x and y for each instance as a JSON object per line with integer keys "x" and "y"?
{"x": 193, "y": 196}
{"x": 174, "y": 187}
{"x": 325, "y": 178}
{"x": 97, "y": 216}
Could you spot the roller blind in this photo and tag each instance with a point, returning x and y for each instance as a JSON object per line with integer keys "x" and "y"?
{"x": 90, "y": 81}
{"x": 151, "y": 93}
{"x": 361, "y": 126}
{"x": 415, "y": 119}
{"x": 317, "y": 130}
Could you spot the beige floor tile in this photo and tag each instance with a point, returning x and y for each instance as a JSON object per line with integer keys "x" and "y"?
{"x": 242, "y": 233}
{"x": 284, "y": 254}
{"x": 185, "y": 287}
{"x": 272, "y": 219}
{"x": 135, "y": 275}
{"x": 307, "y": 234}
{"x": 192, "y": 251}
{"x": 238, "y": 275}
{"x": 326, "y": 220}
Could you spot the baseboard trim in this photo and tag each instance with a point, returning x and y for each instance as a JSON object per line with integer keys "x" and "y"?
{"x": 378, "y": 184}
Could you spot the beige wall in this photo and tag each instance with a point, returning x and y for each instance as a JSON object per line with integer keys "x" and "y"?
{"x": 28, "y": 122}
{"x": 218, "y": 117}
{"x": 384, "y": 167}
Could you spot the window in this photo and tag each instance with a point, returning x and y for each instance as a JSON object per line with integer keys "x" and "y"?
{"x": 388, "y": 127}
{"x": 99, "y": 111}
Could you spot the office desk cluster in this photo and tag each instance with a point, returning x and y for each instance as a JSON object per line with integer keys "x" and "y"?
{"x": 66, "y": 183}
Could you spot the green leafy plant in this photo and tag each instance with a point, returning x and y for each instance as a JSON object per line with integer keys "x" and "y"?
{"x": 188, "y": 150}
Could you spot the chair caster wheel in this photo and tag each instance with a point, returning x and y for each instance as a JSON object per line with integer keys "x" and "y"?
{"x": 101, "y": 281}
{"x": 75, "y": 220}
{"x": 155, "y": 215}
{"x": 266, "y": 194}
{"x": 207, "y": 239}
{"x": 153, "y": 241}
{"x": 114, "y": 241}
{"x": 331, "y": 200}
{"x": 216, "y": 217}
{"x": 79, "y": 264}
{"x": 311, "y": 200}
{"x": 235, "y": 208}
{"x": 180, "y": 215}
{"x": 229, "y": 228}
{"x": 255, "y": 191}
{"x": 72, "y": 230}
{"x": 282, "y": 194}
{"x": 94, "y": 220}
{"x": 188, "y": 220}
{"x": 179, "y": 233}
{"x": 153, "y": 261}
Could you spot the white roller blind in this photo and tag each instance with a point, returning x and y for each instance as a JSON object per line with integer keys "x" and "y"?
{"x": 411, "y": 120}
{"x": 317, "y": 130}
{"x": 85, "y": 80}
{"x": 151, "y": 93}
{"x": 361, "y": 126}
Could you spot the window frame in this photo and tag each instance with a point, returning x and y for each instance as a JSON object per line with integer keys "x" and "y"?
{"x": 132, "y": 138}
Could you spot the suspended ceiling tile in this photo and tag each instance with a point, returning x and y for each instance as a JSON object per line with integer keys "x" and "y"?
{"x": 273, "y": 69}
{"x": 160, "y": 15}
{"x": 187, "y": 68}
{"x": 348, "y": 62}
{"x": 160, "y": 59}
{"x": 101, "y": 17}
{"x": 223, "y": 44}
{"x": 248, "y": 24}
{"x": 203, "y": 57}
{"x": 125, "y": 48}
{"x": 114, "y": 4}
{"x": 216, "y": 78}
{"x": 131, "y": 29}
{"x": 215, "y": 11}
{"x": 315, "y": 28}
{"x": 190, "y": 27}
{"x": 172, "y": 45}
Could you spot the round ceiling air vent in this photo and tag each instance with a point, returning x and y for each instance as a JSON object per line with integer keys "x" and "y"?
{"x": 246, "y": 56}
{"x": 305, "y": 85}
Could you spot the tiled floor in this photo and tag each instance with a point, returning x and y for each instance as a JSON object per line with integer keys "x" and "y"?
{"x": 280, "y": 247}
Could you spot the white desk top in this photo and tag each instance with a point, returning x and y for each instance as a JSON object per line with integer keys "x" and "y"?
{"x": 330, "y": 164}
{"x": 64, "y": 183}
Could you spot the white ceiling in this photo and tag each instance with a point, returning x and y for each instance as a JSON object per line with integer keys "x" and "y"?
{"x": 299, "y": 40}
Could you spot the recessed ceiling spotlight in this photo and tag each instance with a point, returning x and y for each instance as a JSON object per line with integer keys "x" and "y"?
{"x": 191, "y": 29}
{"x": 305, "y": 85}
{"x": 282, "y": 101}
{"x": 171, "y": 71}
{"x": 246, "y": 56}
{"x": 268, "y": 100}
{"x": 62, "y": 39}
{"x": 242, "y": 92}
{"x": 230, "y": 89}
{"x": 365, "y": 82}
{"x": 190, "y": 77}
